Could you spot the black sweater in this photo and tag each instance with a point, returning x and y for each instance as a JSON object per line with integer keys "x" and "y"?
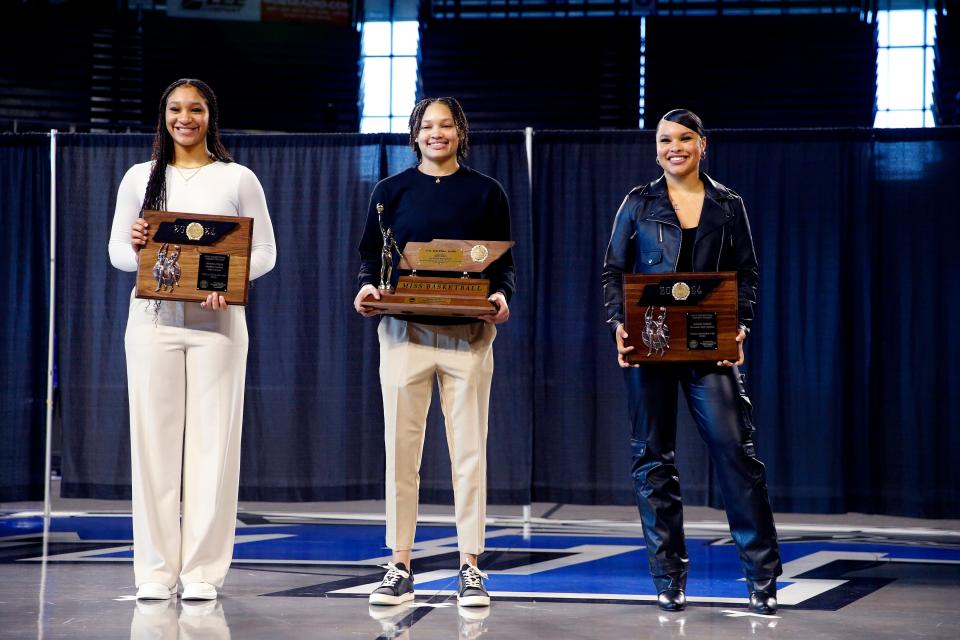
{"x": 466, "y": 205}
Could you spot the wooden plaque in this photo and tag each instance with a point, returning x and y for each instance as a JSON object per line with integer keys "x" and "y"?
{"x": 681, "y": 317}
{"x": 189, "y": 256}
{"x": 439, "y": 296}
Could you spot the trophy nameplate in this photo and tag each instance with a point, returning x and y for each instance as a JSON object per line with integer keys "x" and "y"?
{"x": 441, "y": 296}
{"x": 189, "y": 256}
{"x": 681, "y": 317}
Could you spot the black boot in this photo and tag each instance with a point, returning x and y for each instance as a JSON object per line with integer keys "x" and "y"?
{"x": 670, "y": 591}
{"x": 763, "y": 596}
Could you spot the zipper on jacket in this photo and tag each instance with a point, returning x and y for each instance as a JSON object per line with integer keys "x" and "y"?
{"x": 722, "y": 233}
{"x": 676, "y": 260}
{"x": 693, "y": 249}
{"x": 660, "y": 231}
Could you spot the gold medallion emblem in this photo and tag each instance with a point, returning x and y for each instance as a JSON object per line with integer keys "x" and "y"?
{"x": 194, "y": 230}
{"x": 680, "y": 291}
{"x": 479, "y": 253}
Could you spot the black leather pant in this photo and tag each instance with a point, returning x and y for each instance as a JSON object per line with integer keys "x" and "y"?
{"x": 723, "y": 414}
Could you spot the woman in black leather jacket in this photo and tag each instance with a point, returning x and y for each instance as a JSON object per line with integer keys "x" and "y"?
{"x": 685, "y": 221}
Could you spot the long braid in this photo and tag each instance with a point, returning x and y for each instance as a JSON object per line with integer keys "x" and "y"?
{"x": 459, "y": 120}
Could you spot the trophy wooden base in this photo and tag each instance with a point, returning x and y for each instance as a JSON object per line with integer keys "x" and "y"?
{"x": 681, "y": 317}
{"x": 419, "y": 296}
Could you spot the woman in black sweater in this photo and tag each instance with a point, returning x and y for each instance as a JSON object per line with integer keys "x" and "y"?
{"x": 437, "y": 198}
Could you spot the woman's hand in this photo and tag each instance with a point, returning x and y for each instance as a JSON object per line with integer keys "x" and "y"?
{"x": 138, "y": 234}
{"x": 365, "y": 292}
{"x": 622, "y": 349}
{"x": 503, "y": 311}
{"x": 741, "y": 336}
{"x": 214, "y": 301}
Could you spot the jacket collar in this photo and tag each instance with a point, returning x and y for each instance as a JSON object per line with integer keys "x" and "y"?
{"x": 713, "y": 216}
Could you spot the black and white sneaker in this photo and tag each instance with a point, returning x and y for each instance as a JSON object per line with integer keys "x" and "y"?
{"x": 470, "y": 589}
{"x": 396, "y": 586}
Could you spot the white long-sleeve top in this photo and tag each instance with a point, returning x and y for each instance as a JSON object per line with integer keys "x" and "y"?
{"x": 220, "y": 188}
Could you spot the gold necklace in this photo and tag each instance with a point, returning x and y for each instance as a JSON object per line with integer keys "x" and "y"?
{"x": 196, "y": 170}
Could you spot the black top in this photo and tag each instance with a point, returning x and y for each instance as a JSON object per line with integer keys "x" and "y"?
{"x": 466, "y": 205}
{"x": 687, "y": 238}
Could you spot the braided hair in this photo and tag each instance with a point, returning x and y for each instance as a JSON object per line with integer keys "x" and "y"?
{"x": 459, "y": 119}
{"x": 155, "y": 197}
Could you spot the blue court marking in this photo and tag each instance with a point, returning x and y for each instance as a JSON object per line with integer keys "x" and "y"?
{"x": 714, "y": 570}
{"x": 86, "y": 527}
{"x": 556, "y": 563}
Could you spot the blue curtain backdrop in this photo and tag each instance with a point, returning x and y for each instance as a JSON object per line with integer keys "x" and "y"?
{"x": 849, "y": 365}
{"x": 851, "y": 361}
{"x": 313, "y": 421}
{"x": 24, "y": 312}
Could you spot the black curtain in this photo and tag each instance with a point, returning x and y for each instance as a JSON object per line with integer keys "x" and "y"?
{"x": 91, "y": 314}
{"x": 580, "y": 435}
{"x": 850, "y": 364}
{"x": 312, "y": 416}
{"x": 313, "y": 422}
{"x": 25, "y": 274}
{"x": 913, "y": 433}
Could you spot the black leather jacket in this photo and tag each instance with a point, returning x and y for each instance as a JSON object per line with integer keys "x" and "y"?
{"x": 646, "y": 239}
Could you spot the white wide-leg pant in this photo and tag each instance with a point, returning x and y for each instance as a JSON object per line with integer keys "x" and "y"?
{"x": 461, "y": 358}
{"x": 185, "y": 376}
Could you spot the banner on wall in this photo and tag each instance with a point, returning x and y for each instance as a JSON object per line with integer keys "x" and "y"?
{"x": 248, "y": 10}
{"x": 330, "y": 11}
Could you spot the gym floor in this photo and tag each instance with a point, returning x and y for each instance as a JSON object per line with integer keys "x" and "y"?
{"x": 568, "y": 572}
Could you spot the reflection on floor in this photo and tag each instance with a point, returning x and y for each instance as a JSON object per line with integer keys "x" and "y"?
{"x": 307, "y": 575}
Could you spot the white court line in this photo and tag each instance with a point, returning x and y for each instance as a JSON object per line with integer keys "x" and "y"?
{"x": 710, "y": 526}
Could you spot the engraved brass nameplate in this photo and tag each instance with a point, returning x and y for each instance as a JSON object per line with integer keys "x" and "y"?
{"x": 429, "y": 256}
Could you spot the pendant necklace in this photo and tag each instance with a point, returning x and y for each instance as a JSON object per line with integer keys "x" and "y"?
{"x": 191, "y": 176}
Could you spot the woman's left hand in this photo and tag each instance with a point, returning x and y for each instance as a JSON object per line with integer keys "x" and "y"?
{"x": 214, "y": 301}
{"x": 741, "y": 336}
{"x": 503, "y": 311}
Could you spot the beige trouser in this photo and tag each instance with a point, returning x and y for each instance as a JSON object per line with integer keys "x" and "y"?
{"x": 185, "y": 382}
{"x": 461, "y": 358}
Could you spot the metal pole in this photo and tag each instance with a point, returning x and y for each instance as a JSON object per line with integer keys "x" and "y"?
{"x": 528, "y": 134}
{"x": 49, "y": 447}
{"x": 53, "y": 283}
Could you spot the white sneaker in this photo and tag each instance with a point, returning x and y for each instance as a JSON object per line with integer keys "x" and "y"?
{"x": 199, "y": 591}
{"x": 155, "y": 591}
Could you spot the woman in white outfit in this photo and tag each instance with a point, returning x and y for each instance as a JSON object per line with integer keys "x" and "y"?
{"x": 186, "y": 362}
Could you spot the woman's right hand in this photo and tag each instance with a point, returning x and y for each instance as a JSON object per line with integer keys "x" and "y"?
{"x": 622, "y": 349}
{"x": 138, "y": 234}
{"x": 365, "y": 292}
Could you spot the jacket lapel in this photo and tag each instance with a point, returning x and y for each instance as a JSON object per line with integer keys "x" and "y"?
{"x": 714, "y": 214}
{"x": 660, "y": 209}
